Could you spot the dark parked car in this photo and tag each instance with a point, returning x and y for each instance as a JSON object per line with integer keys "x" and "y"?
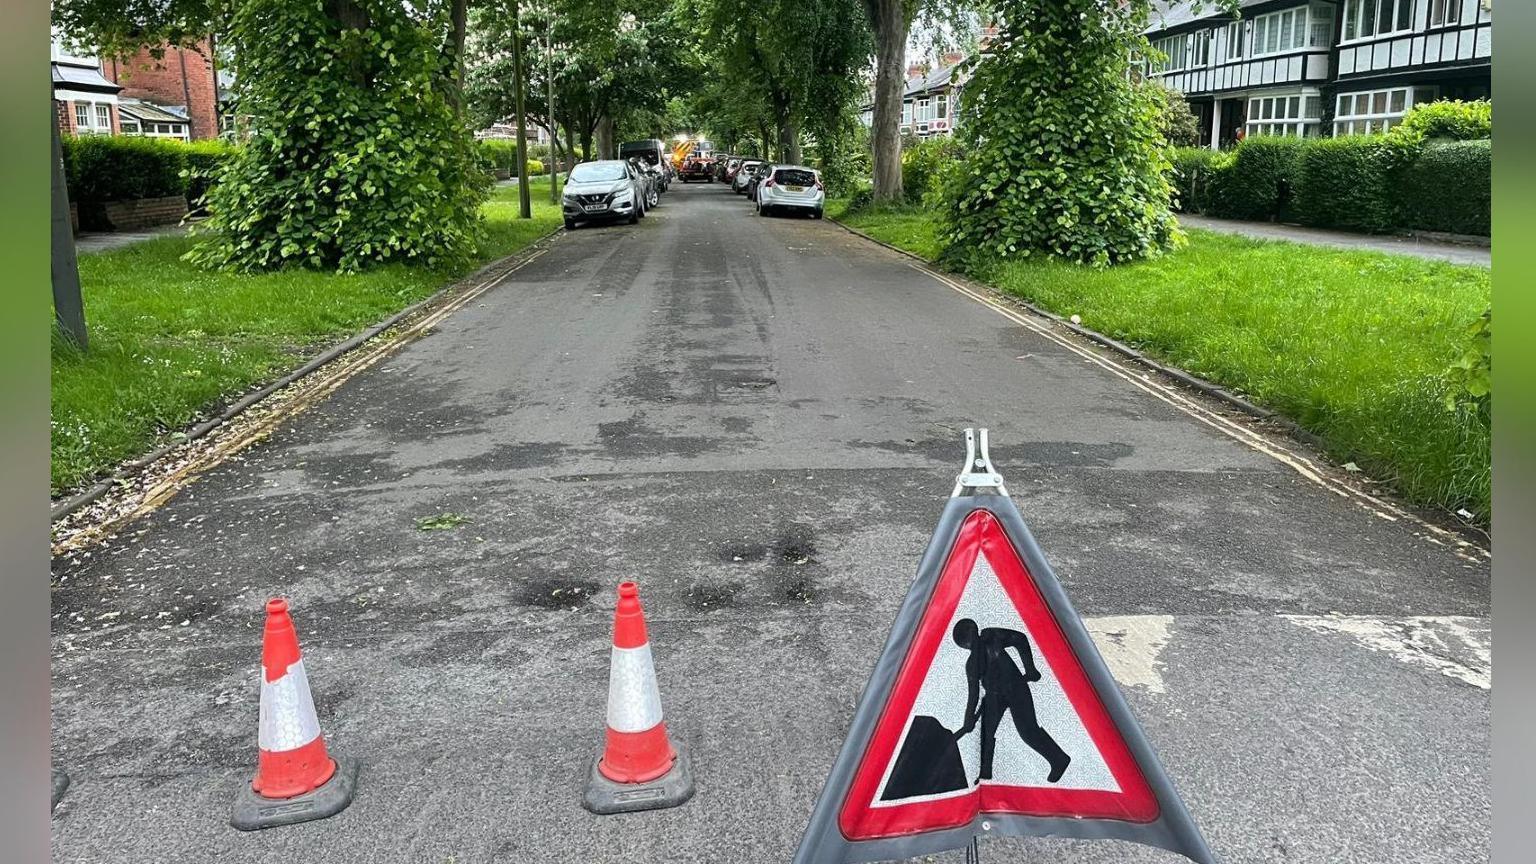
{"x": 604, "y": 191}
{"x": 653, "y": 153}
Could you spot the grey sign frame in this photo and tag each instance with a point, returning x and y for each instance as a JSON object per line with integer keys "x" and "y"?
{"x": 824, "y": 842}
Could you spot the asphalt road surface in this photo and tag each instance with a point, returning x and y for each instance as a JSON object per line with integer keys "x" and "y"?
{"x": 759, "y": 420}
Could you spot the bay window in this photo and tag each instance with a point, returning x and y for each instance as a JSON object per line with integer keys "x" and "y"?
{"x": 1374, "y": 111}
{"x": 1367, "y": 19}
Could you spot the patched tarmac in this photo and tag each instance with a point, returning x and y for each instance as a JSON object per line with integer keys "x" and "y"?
{"x": 757, "y": 419}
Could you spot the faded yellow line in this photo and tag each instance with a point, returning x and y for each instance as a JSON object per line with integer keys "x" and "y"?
{"x": 1239, "y": 432}
{"x": 315, "y": 388}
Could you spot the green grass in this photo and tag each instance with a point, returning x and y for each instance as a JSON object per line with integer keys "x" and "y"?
{"x": 170, "y": 341}
{"x": 1351, "y": 345}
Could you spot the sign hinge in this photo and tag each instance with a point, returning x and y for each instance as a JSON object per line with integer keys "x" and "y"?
{"x": 978, "y": 476}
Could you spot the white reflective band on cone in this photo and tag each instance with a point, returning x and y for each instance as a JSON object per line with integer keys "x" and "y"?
{"x": 634, "y": 704}
{"x": 287, "y": 720}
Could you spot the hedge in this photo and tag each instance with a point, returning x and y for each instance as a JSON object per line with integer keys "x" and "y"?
{"x": 1411, "y": 178}
{"x": 1195, "y": 170}
{"x": 1452, "y": 119}
{"x": 1448, "y": 188}
{"x": 1346, "y": 183}
{"x": 500, "y": 154}
{"x": 204, "y": 159}
{"x": 100, "y": 168}
{"x": 1259, "y": 183}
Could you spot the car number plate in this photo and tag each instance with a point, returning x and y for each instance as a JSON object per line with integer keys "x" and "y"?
{"x": 794, "y": 188}
{"x": 593, "y": 208}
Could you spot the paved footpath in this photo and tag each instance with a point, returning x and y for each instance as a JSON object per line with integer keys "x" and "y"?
{"x": 759, "y": 420}
{"x": 1434, "y": 250}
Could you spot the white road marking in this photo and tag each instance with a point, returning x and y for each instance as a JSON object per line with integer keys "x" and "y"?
{"x": 1301, "y": 464}
{"x": 1456, "y": 646}
{"x": 1132, "y": 647}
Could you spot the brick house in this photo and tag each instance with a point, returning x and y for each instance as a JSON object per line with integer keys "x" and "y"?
{"x": 172, "y": 96}
{"x": 929, "y": 99}
{"x": 84, "y": 101}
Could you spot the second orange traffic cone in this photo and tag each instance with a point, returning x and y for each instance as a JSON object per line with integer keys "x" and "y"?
{"x": 296, "y": 778}
{"x": 640, "y": 767}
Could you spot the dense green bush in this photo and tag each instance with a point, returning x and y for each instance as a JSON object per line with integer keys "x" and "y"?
{"x": 1453, "y": 118}
{"x": 1448, "y": 188}
{"x": 500, "y": 154}
{"x": 1063, "y": 153}
{"x": 1347, "y": 183}
{"x": 356, "y": 155}
{"x": 1196, "y": 171}
{"x": 122, "y": 168}
{"x": 1262, "y": 180}
{"x": 1179, "y": 125}
{"x": 923, "y": 161}
{"x": 205, "y": 160}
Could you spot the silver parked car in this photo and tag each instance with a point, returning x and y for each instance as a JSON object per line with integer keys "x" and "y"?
{"x": 603, "y": 191}
{"x": 740, "y": 183}
{"x": 791, "y": 187}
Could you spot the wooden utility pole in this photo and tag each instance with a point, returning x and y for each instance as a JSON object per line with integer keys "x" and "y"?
{"x": 68, "y": 308}
{"x": 525, "y": 206}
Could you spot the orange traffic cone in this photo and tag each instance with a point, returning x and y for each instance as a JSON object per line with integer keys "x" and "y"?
{"x": 296, "y": 778}
{"x": 640, "y": 768}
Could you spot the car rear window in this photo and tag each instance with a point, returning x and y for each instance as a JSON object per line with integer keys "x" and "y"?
{"x": 795, "y": 177}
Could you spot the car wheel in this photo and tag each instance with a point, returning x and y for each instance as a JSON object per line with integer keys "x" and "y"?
{"x": 816, "y": 214}
{"x": 570, "y": 224}
{"x": 634, "y": 216}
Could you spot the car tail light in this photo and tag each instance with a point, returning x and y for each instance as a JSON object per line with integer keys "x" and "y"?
{"x": 819, "y": 187}
{"x": 770, "y": 182}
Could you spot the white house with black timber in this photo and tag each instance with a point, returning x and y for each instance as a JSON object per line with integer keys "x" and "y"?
{"x": 1319, "y": 67}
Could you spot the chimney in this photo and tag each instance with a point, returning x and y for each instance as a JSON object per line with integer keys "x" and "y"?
{"x": 917, "y": 70}
{"x": 952, "y": 58}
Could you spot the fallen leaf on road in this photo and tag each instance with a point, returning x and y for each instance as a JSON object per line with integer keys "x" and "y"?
{"x": 441, "y": 522}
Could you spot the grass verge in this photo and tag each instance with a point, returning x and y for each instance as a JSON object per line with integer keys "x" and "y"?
{"x": 1353, "y": 346}
{"x": 170, "y": 341}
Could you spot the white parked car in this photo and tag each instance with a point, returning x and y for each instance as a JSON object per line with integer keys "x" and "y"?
{"x": 791, "y": 188}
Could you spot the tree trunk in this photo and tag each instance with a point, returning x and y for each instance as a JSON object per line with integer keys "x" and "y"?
{"x": 520, "y": 84}
{"x": 890, "y": 80}
{"x": 792, "y": 138}
{"x": 68, "y": 307}
{"x": 605, "y": 146}
{"x": 459, "y": 17}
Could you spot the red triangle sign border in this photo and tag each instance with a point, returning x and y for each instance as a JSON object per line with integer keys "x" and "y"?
{"x": 981, "y": 534}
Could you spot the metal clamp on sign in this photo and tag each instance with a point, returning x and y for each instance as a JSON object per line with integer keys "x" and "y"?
{"x": 978, "y": 475}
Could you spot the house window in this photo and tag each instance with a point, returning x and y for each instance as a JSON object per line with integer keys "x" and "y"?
{"x": 922, "y": 110}
{"x": 1235, "y": 40}
{"x": 129, "y": 127}
{"x": 1376, "y": 111}
{"x": 1280, "y": 31}
{"x": 82, "y": 116}
{"x": 1368, "y": 19}
{"x": 944, "y": 106}
{"x": 1444, "y": 12}
{"x": 93, "y": 118}
{"x": 1175, "y": 51}
{"x": 1200, "y": 49}
{"x": 1293, "y": 115}
{"x": 103, "y": 117}
{"x": 906, "y": 113}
